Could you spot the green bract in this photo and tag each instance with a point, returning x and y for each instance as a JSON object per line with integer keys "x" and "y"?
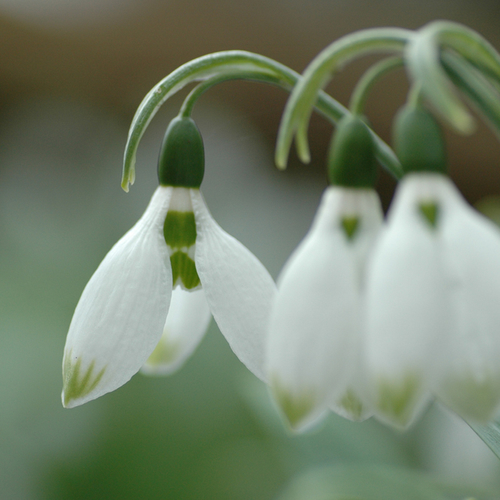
{"x": 351, "y": 161}
{"x": 182, "y": 157}
{"x": 418, "y": 141}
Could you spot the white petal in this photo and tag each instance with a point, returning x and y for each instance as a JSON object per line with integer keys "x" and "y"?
{"x": 238, "y": 288}
{"x": 121, "y": 313}
{"x": 314, "y": 339}
{"x": 470, "y": 370}
{"x": 187, "y": 321}
{"x": 407, "y": 308}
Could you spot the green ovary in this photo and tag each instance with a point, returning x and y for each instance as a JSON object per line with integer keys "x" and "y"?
{"x": 75, "y": 384}
{"x": 396, "y": 399}
{"x": 184, "y": 270}
{"x": 295, "y": 407}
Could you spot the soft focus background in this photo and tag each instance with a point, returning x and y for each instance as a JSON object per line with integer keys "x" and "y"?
{"x": 72, "y": 73}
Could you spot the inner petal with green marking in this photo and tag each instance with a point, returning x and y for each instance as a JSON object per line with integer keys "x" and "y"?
{"x": 350, "y": 226}
{"x": 179, "y": 231}
{"x": 296, "y": 406}
{"x": 165, "y": 352}
{"x": 352, "y": 404}
{"x": 397, "y": 398}
{"x": 430, "y": 212}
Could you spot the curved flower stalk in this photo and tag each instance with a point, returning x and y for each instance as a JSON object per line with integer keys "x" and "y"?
{"x": 121, "y": 322}
{"x": 229, "y": 65}
{"x": 432, "y": 317}
{"x": 315, "y": 338}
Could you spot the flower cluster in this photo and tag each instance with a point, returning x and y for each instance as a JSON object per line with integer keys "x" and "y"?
{"x": 379, "y": 318}
{"x": 370, "y": 317}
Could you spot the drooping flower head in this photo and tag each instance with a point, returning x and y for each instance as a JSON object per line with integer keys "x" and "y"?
{"x": 149, "y": 302}
{"x": 314, "y": 358}
{"x": 431, "y": 318}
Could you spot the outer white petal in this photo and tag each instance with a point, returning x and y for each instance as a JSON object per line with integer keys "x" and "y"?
{"x": 314, "y": 340}
{"x": 407, "y": 309}
{"x": 469, "y": 379}
{"x": 187, "y": 321}
{"x": 121, "y": 313}
{"x": 238, "y": 288}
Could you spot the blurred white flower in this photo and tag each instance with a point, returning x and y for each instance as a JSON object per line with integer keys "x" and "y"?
{"x": 432, "y": 305}
{"x": 313, "y": 356}
{"x": 122, "y": 314}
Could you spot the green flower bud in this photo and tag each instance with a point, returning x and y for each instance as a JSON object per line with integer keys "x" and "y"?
{"x": 351, "y": 159}
{"x": 182, "y": 157}
{"x": 418, "y": 141}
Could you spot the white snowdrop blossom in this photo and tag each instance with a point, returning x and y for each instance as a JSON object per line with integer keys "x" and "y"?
{"x": 432, "y": 314}
{"x": 313, "y": 356}
{"x": 123, "y": 321}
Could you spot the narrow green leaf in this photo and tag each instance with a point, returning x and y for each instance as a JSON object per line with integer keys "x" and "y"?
{"x": 423, "y": 61}
{"x": 469, "y": 44}
{"x": 483, "y": 94}
{"x": 489, "y": 433}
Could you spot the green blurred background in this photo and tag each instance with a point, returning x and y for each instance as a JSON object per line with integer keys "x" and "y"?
{"x": 72, "y": 73}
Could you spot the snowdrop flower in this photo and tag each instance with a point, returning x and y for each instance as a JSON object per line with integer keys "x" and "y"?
{"x": 129, "y": 310}
{"x": 432, "y": 294}
{"x": 314, "y": 350}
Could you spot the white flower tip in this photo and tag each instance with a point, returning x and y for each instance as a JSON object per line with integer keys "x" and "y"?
{"x": 475, "y": 400}
{"x": 164, "y": 360}
{"x": 299, "y": 408}
{"x": 78, "y": 384}
{"x": 397, "y": 400}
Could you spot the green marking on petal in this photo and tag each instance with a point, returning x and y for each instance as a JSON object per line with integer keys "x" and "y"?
{"x": 350, "y": 226}
{"x": 295, "y": 407}
{"x": 75, "y": 385}
{"x": 179, "y": 229}
{"x": 184, "y": 271}
{"x": 430, "y": 211}
{"x": 352, "y": 405}
{"x": 165, "y": 352}
{"x": 472, "y": 398}
{"x": 396, "y": 399}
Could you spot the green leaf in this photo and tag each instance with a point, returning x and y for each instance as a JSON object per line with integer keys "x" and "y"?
{"x": 424, "y": 63}
{"x": 469, "y": 44}
{"x": 489, "y": 433}
{"x": 476, "y": 86}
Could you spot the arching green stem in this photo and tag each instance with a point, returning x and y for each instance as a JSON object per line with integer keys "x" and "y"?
{"x": 481, "y": 92}
{"x": 366, "y": 82}
{"x": 200, "y": 89}
{"x": 299, "y": 106}
{"x": 468, "y": 43}
{"x": 219, "y": 67}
